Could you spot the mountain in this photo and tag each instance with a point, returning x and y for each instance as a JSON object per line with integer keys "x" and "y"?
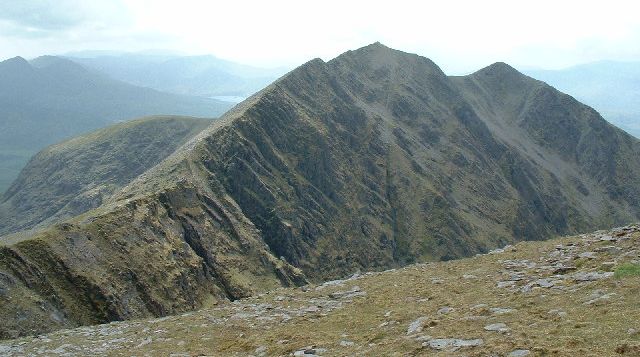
{"x": 566, "y": 297}
{"x": 74, "y": 176}
{"x": 612, "y": 88}
{"x": 205, "y": 76}
{"x": 373, "y": 160}
{"x": 51, "y": 99}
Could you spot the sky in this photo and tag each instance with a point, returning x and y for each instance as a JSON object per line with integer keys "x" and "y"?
{"x": 460, "y": 36}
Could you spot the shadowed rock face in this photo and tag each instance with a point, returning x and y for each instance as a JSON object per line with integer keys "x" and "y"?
{"x": 372, "y": 160}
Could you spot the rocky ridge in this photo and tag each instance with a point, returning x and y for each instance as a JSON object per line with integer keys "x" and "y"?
{"x": 373, "y": 160}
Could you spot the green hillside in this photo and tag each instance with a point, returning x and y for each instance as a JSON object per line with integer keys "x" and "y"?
{"x": 74, "y": 176}
{"x": 52, "y": 99}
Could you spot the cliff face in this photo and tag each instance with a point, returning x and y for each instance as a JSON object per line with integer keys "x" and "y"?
{"x": 372, "y": 160}
{"x": 170, "y": 252}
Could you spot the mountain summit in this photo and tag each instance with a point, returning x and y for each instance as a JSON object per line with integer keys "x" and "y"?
{"x": 372, "y": 160}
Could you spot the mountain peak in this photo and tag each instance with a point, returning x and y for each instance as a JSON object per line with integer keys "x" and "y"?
{"x": 15, "y": 59}
{"x": 377, "y": 44}
{"x": 375, "y": 48}
{"x": 499, "y": 69}
{"x": 15, "y": 62}
{"x": 376, "y": 56}
{"x": 502, "y": 77}
{"x": 46, "y": 61}
{"x": 57, "y": 63}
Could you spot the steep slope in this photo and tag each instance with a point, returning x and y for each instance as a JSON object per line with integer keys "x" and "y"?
{"x": 373, "y": 160}
{"x": 52, "y": 99}
{"x": 584, "y": 163}
{"x": 612, "y": 88}
{"x": 192, "y": 75}
{"x": 566, "y": 297}
{"x": 74, "y": 176}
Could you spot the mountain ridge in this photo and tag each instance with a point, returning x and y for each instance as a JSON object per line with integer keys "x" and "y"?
{"x": 375, "y": 159}
{"x": 611, "y": 87}
{"x": 203, "y": 75}
{"x": 71, "y": 177}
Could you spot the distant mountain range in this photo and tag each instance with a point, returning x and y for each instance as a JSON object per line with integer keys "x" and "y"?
{"x": 373, "y": 160}
{"x": 51, "y": 99}
{"x": 612, "y": 88}
{"x": 205, "y": 76}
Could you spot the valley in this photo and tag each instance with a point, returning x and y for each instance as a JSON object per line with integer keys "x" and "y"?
{"x": 50, "y": 99}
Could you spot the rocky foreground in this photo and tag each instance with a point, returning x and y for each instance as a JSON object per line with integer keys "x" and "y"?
{"x": 564, "y": 297}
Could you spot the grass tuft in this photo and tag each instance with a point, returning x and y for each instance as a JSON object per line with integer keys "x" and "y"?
{"x": 628, "y": 269}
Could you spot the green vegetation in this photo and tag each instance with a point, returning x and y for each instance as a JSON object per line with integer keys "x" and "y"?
{"x": 53, "y": 99}
{"x": 74, "y": 176}
{"x": 628, "y": 269}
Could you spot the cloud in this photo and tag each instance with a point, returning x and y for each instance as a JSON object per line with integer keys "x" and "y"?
{"x": 42, "y": 18}
{"x": 40, "y": 15}
{"x": 31, "y": 28}
{"x": 459, "y": 35}
{"x": 462, "y": 35}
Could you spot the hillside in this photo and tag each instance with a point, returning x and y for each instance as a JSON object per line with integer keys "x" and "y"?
{"x": 565, "y": 297}
{"x": 52, "y": 99}
{"x": 206, "y": 76}
{"x": 74, "y": 176}
{"x": 370, "y": 161}
{"x": 612, "y": 88}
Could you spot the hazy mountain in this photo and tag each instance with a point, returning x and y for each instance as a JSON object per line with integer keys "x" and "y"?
{"x": 51, "y": 99}
{"x": 74, "y": 176}
{"x": 372, "y": 160}
{"x": 206, "y": 76}
{"x": 612, "y": 88}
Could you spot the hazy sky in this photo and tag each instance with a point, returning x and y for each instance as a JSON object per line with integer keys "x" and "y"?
{"x": 458, "y": 35}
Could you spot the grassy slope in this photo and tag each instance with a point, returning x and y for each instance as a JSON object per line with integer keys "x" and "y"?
{"x": 52, "y": 99}
{"x": 71, "y": 177}
{"x": 593, "y": 318}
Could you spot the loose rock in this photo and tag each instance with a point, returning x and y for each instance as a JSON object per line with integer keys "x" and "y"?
{"x": 497, "y": 327}
{"x": 417, "y": 326}
{"x": 451, "y": 344}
